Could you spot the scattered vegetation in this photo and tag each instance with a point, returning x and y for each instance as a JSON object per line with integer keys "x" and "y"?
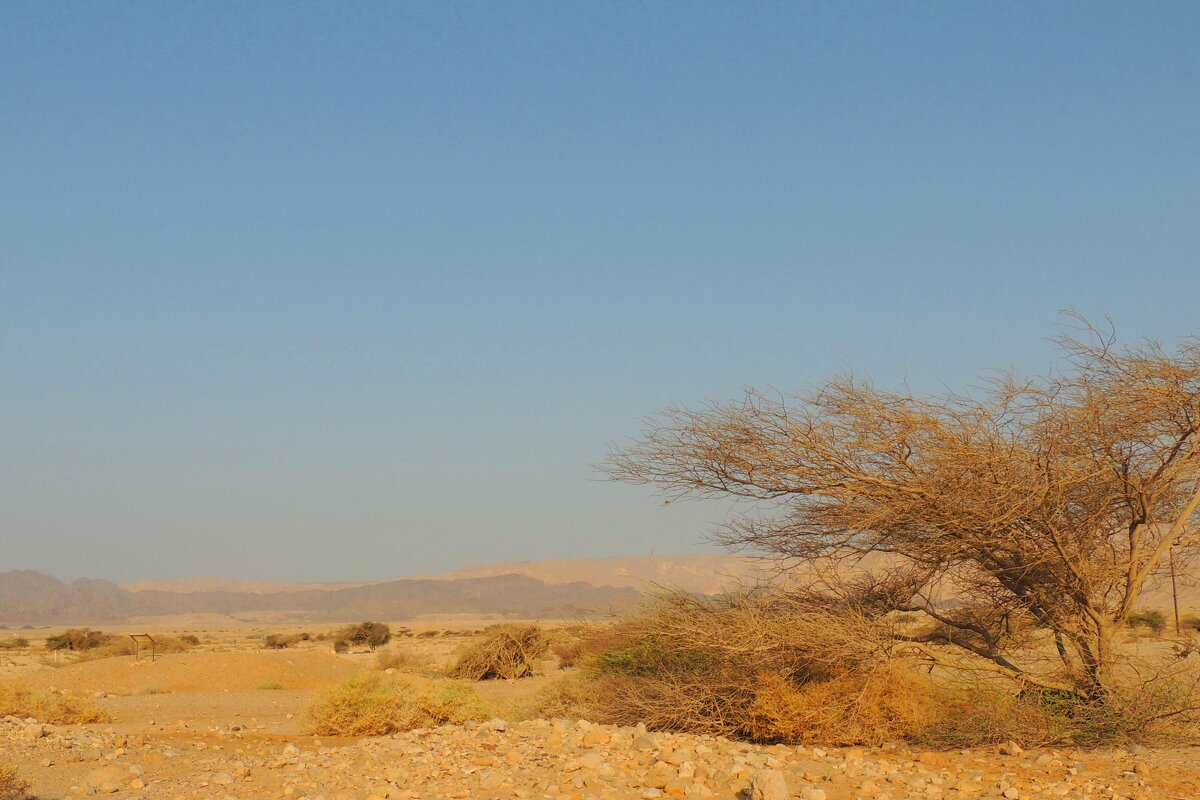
{"x": 504, "y": 651}
{"x": 12, "y": 785}
{"x": 770, "y": 666}
{"x": 49, "y": 707}
{"x": 270, "y": 685}
{"x": 15, "y": 643}
{"x": 370, "y": 705}
{"x": 110, "y": 646}
{"x": 78, "y": 640}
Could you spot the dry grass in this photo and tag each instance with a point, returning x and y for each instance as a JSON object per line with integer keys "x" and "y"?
{"x": 505, "y": 651}
{"x": 57, "y": 709}
{"x": 12, "y": 785}
{"x": 891, "y": 703}
{"x": 409, "y": 661}
{"x": 369, "y": 705}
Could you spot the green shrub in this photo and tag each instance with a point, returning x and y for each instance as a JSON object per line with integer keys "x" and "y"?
{"x": 1153, "y": 619}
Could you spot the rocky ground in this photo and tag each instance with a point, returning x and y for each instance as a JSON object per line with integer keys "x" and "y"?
{"x": 558, "y": 760}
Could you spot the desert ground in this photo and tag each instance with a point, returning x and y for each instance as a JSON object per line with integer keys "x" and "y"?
{"x": 228, "y": 720}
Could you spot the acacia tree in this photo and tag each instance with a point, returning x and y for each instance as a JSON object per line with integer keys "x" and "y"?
{"x": 1046, "y": 502}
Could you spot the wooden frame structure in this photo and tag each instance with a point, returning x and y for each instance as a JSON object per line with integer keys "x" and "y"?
{"x": 140, "y": 642}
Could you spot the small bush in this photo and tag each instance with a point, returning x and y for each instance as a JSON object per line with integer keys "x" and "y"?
{"x": 341, "y": 646}
{"x": 190, "y": 639}
{"x": 270, "y": 685}
{"x": 1153, "y": 619}
{"x": 56, "y": 709}
{"x": 505, "y": 651}
{"x": 278, "y": 641}
{"x": 371, "y": 634}
{"x": 12, "y": 785}
{"x": 15, "y": 643}
{"x": 368, "y": 705}
{"x": 78, "y": 639}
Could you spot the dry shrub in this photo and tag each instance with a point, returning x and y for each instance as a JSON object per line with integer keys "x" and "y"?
{"x": 505, "y": 651}
{"x": 57, "y": 709}
{"x": 451, "y": 703}
{"x": 688, "y": 663}
{"x": 891, "y": 703}
{"x": 574, "y": 644}
{"x": 12, "y": 785}
{"x": 571, "y": 696}
{"x": 368, "y": 705}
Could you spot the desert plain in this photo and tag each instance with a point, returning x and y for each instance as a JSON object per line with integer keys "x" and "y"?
{"x": 229, "y": 719}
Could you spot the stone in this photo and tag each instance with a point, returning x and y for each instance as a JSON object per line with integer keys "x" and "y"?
{"x": 768, "y": 784}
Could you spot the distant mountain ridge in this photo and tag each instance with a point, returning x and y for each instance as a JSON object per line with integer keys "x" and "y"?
{"x": 705, "y": 573}
{"x": 30, "y": 598}
{"x": 564, "y": 588}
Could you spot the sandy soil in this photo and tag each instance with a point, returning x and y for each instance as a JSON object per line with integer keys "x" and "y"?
{"x": 202, "y": 725}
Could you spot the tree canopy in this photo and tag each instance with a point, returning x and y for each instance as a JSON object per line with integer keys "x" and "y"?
{"x": 1050, "y": 499}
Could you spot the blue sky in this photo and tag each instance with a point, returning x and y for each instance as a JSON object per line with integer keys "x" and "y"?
{"x": 326, "y": 291}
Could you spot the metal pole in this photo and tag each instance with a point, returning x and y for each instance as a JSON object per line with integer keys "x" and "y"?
{"x": 1175, "y": 593}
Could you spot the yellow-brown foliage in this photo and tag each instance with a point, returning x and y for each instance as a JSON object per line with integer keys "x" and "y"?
{"x": 890, "y": 703}
{"x": 12, "y": 785}
{"x": 505, "y": 651}
{"x": 57, "y": 709}
{"x": 369, "y": 705}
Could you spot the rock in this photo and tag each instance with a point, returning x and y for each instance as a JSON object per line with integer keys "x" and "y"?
{"x": 1141, "y": 769}
{"x": 1010, "y": 749}
{"x": 34, "y": 731}
{"x": 594, "y": 737}
{"x": 768, "y": 784}
{"x": 659, "y": 777}
{"x": 110, "y": 779}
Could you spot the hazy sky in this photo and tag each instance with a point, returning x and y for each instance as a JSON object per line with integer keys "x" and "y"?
{"x": 338, "y": 291}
